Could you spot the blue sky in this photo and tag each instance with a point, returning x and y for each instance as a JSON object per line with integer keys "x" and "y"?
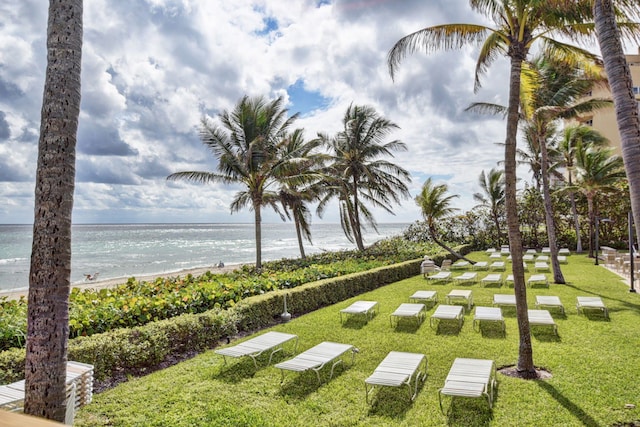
{"x": 153, "y": 68}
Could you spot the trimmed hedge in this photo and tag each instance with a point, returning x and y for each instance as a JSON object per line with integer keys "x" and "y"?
{"x": 146, "y": 346}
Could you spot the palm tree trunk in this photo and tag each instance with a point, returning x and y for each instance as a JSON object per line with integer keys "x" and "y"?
{"x": 296, "y": 221}
{"x": 626, "y": 106}
{"x": 525, "y": 352}
{"x": 357, "y": 230}
{"x": 592, "y": 222}
{"x": 496, "y": 220}
{"x": 434, "y": 236}
{"x": 576, "y": 222}
{"x": 49, "y": 276}
{"x": 257, "y": 214}
{"x": 548, "y": 213}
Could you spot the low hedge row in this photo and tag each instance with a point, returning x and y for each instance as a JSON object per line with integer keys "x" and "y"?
{"x": 146, "y": 346}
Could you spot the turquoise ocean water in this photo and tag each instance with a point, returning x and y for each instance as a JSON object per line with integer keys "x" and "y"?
{"x": 125, "y": 250}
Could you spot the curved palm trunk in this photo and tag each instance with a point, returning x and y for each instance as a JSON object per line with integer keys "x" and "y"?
{"x": 496, "y": 221}
{"x": 357, "y": 231}
{"x": 296, "y": 221}
{"x": 525, "y": 352}
{"x": 626, "y": 106}
{"x": 548, "y": 214}
{"x": 49, "y": 276}
{"x": 592, "y": 222}
{"x": 257, "y": 215}
{"x": 434, "y": 236}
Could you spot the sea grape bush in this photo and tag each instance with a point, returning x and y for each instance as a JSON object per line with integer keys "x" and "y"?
{"x": 136, "y": 303}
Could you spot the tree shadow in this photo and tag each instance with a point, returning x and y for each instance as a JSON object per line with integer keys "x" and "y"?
{"x": 469, "y": 412}
{"x": 392, "y": 402}
{"x": 492, "y": 330}
{"x": 579, "y": 413}
{"x": 448, "y": 327}
{"x": 545, "y": 333}
{"x": 297, "y": 386}
{"x": 354, "y": 322}
{"x": 408, "y": 327}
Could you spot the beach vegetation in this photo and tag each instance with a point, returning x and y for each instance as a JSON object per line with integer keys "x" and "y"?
{"x": 358, "y": 173}
{"x": 491, "y": 197}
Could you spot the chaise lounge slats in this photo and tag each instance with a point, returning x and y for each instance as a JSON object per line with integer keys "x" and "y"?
{"x": 316, "y": 358}
{"x": 360, "y": 308}
{"x": 398, "y": 369}
{"x": 448, "y": 312}
{"x": 542, "y": 318}
{"x": 408, "y": 310}
{"x": 470, "y": 378}
{"x": 254, "y": 347}
{"x": 591, "y": 303}
{"x": 488, "y": 314}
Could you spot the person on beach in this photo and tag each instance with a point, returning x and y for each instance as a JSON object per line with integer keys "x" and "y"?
{"x": 220, "y": 264}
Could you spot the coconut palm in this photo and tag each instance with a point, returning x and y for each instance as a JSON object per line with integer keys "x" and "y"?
{"x": 492, "y": 196}
{"x": 571, "y": 137}
{"x": 610, "y": 32}
{"x": 246, "y": 147}
{"x": 357, "y": 174}
{"x": 518, "y": 25}
{"x": 297, "y": 182}
{"x": 49, "y": 277}
{"x": 597, "y": 171}
{"x": 435, "y": 205}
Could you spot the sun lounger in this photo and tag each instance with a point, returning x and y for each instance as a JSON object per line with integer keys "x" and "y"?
{"x": 592, "y": 303}
{"x": 495, "y": 255}
{"x": 538, "y": 279}
{"x": 541, "y": 266}
{"x": 424, "y": 296}
{"x": 504, "y": 251}
{"x": 272, "y": 342}
{"x": 315, "y": 358}
{"x": 441, "y": 275}
{"x": 497, "y": 265}
{"x": 528, "y": 257}
{"x": 396, "y": 370}
{"x": 460, "y": 264}
{"x": 504, "y": 299}
{"x": 549, "y": 301}
{"x": 492, "y": 278}
{"x": 531, "y": 251}
{"x": 411, "y": 310}
{"x": 470, "y": 378}
{"x": 562, "y": 259}
{"x": 466, "y": 277}
{"x": 361, "y": 308}
{"x": 460, "y": 294}
{"x": 542, "y": 318}
{"x": 491, "y": 251}
{"x": 488, "y": 314}
{"x": 564, "y": 251}
{"x": 481, "y": 265}
{"x": 448, "y": 312}
{"x": 546, "y": 250}
{"x": 509, "y": 280}
{"x": 446, "y": 265}
{"x": 543, "y": 258}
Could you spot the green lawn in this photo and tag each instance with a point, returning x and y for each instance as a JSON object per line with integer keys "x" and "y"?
{"x": 593, "y": 363}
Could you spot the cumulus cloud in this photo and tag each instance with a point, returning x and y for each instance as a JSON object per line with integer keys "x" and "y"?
{"x": 153, "y": 68}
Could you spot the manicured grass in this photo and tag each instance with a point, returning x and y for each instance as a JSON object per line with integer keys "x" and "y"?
{"x": 593, "y": 362}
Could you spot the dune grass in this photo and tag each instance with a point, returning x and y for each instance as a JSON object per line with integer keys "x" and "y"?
{"x": 593, "y": 365}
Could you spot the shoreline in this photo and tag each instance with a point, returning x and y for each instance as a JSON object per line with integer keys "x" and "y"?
{"x": 113, "y": 282}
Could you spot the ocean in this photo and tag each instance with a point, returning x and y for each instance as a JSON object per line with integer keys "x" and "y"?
{"x": 125, "y": 250}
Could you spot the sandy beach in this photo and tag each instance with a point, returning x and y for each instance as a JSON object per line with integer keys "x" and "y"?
{"x": 108, "y": 283}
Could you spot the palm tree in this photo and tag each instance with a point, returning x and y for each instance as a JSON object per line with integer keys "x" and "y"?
{"x": 49, "y": 277}
{"x": 597, "y": 171}
{"x": 606, "y": 14}
{"x": 435, "y": 205}
{"x": 246, "y": 146}
{"x": 519, "y": 23}
{"x": 357, "y": 174}
{"x": 297, "y": 183}
{"x": 572, "y": 136}
{"x": 492, "y": 196}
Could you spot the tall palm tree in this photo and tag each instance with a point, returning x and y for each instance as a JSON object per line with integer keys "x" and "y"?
{"x": 597, "y": 171}
{"x": 246, "y": 147}
{"x": 435, "y": 205}
{"x": 492, "y": 196}
{"x": 571, "y": 137}
{"x": 49, "y": 276}
{"x": 518, "y": 24}
{"x": 609, "y": 32}
{"x": 357, "y": 173}
{"x": 297, "y": 182}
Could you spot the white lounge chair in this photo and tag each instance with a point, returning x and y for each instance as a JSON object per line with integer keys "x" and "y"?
{"x": 410, "y": 310}
{"x": 495, "y": 255}
{"x": 441, "y": 275}
{"x": 448, "y": 312}
{"x": 460, "y": 294}
{"x": 492, "y": 278}
{"x": 398, "y": 369}
{"x": 509, "y": 280}
{"x": 481, "y": 265}
{"x": 315, "y": 358}
{"x": 549, "y": 301}
{"x": 460, "y": 264}
{"x": 504, "y": 251}
{"x": 361, "y": 308}
{"x": 424, "y": 296}
{"x": 470, "y": 378}
{"x": 542, "y": 318}
{"x": 528, "y": 257}
{"x": 546, "y": 250}
{"x": 446, "y": 265}
{"x": 272, "y": 342}
{"x": 592, "y": 303}
{"x": 564, "y": 251}
{"x": 541, "y": 266}
{"x": 531, "y": 251}
{"x": 504, "y": 299}
{"x": 467, "y": 277}
{"x": 488, "y": 314}
{"x": 497, "y": 265}
{"x": 562, "y": 259}
{"x": 542, "y": 258}
{"x": 536, "y": 279}
{"x": 491, "y": 251}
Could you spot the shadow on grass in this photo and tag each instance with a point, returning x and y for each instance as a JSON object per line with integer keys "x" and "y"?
{"x": 297, "y": 386}
{"x": 492, "y": 330}
{"x": 579, "y": 413}
{"x": 237, "y": 370}
{"x": 544, "y": 333}
{"x": 391, "y": 402}
{"x": 627, "y": 304}
{"x": 353, "y": 322}
{"x": 451, "y": 327}
{"x": 468, "y": 412}
{"x": 408, "y": 327}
